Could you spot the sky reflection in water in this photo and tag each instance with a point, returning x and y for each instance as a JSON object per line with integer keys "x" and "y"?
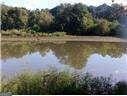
{"x": 100, "y": 59}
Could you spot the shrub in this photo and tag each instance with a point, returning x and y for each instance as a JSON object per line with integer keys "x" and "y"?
{"x": 59, "y": 34}
{"x": 54, "y": 82}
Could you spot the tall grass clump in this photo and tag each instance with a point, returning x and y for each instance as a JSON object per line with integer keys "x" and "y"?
{"x": 54, "y": 82}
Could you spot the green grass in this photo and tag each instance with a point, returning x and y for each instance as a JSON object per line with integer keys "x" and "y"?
{"x": 30, "y": 33}
{"x": 54, "y": 82}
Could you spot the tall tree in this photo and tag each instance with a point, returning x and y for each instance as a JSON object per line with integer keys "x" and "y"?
{"x": 40, "y": 19}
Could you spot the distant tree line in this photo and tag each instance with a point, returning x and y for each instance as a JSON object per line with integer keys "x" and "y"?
{"x": 76, "y": 19}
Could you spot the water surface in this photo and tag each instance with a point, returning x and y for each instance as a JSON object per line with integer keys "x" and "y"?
{"x": 98, "y": 59}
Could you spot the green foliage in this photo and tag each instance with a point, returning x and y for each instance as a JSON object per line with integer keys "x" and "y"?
{"x": 40, "y": 20}
{"x": 104, "y": 11}
{"x": 54, "y": 82}
{"x": 36, "y": 28}
{"x": 13, "y": 17}
{"x": 103, "y": 27}
{"x": 76, "y": 19}
{"x": 59, "y": 34}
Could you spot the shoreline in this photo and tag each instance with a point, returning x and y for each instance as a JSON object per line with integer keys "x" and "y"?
{"x": 69, "y": 38}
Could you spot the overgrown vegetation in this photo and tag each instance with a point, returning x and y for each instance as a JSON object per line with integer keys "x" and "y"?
{"x": 30, "y": 33}
{"x": 54, "y": 82}
{"x": 77, "y": 19}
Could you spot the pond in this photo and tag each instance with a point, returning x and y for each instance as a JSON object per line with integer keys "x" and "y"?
{"x": 96, "y": 58}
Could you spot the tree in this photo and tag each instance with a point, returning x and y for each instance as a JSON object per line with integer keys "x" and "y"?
{"x": 13, "y": 17}
{"x": 4, "y": 17}
{"x": 75, "y": 19}
{"x": 43, "y": 19}
{"x": 105, "y": 11}
{"x": 103, "y": 27}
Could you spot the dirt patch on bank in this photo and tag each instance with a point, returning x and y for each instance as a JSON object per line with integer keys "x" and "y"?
{"x": 71, "y": 38}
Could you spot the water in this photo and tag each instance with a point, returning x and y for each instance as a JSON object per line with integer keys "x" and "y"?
{"x": 98, "y": 59}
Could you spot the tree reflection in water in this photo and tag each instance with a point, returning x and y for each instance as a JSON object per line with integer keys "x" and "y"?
{"x": 75, "y": 54}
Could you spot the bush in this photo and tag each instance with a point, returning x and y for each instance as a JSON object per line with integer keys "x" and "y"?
{"x": 59, "y": 34}
{"x": 54, "y": 82}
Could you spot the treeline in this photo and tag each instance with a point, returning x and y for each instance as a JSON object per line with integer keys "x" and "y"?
{"x": 77, "y": 19}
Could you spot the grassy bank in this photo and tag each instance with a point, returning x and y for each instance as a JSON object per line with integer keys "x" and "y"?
{"x": 53, "y": 82}
{"x": 64, "y": 38}
{"x": 29, "y": 35}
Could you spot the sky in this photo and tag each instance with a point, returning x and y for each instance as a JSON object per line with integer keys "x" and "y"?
{"x": 33, "y": 4}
